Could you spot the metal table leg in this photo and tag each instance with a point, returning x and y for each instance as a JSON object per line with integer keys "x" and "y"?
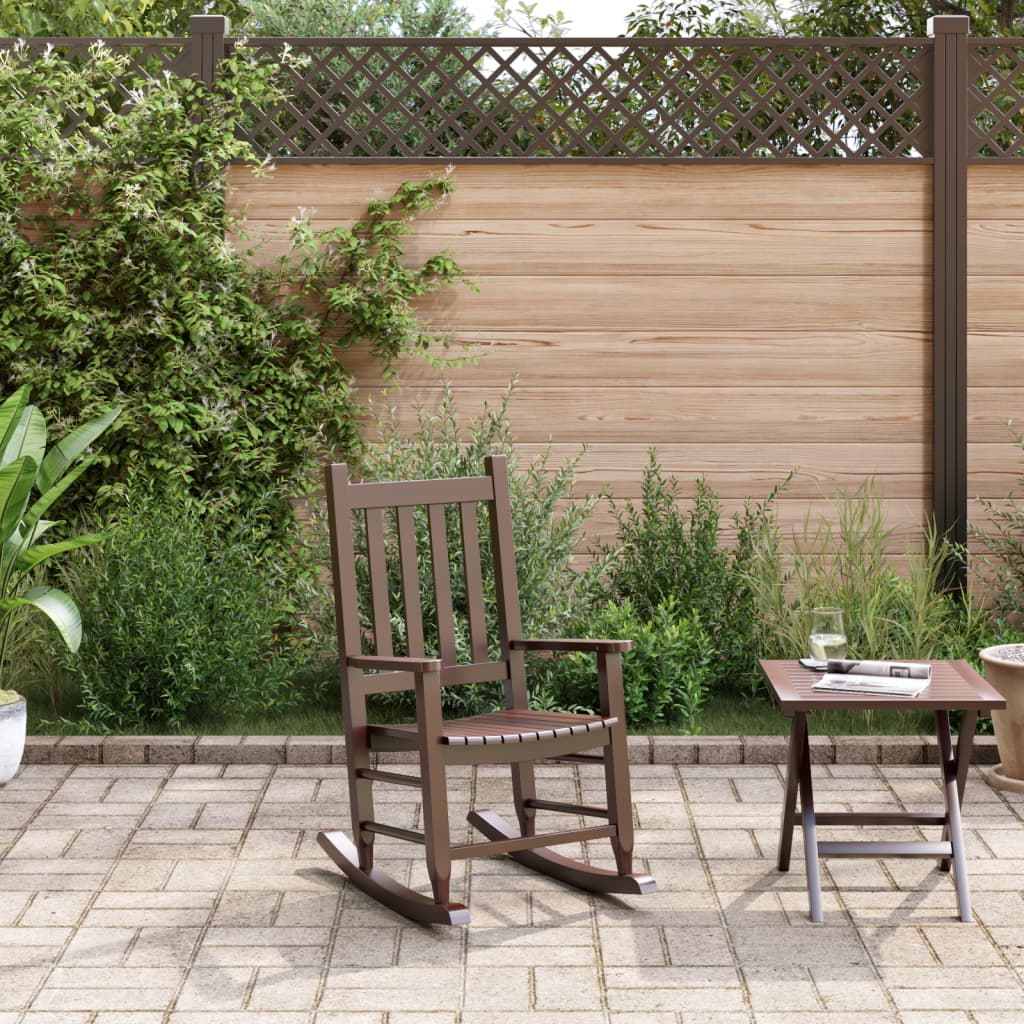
{"x": 809, "y": 827}
{"x": 954, "y": 769}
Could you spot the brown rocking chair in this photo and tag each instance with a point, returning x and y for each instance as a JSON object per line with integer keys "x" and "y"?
{"x": 516, "y": 736}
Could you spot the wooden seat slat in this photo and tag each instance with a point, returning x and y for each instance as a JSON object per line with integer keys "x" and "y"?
{"x": 512, "y": 726}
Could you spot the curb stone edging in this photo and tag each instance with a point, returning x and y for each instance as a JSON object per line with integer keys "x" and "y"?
{"x": 330, "y": 750}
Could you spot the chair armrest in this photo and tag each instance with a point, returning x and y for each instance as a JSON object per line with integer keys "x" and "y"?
{"x": 593, "y": 646}
{"x": 381, "y": 663}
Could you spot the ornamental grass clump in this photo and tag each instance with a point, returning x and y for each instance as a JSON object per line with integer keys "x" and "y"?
{"x": 847, "y": 563}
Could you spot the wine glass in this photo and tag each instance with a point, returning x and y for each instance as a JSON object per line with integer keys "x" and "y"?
{"x": 828, "y": 634}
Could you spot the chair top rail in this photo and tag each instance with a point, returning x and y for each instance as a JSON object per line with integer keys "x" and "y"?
{"x": 398, "y": 494}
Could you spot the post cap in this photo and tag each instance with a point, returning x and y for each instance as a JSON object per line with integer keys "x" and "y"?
{"x": 943, "y": 24}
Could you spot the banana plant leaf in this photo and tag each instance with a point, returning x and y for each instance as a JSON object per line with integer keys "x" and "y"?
{"x": 56, "y": 605}
{"x": 69, "y": 448}
{"x": 16, "y": 482}
{"x": 25, "y": 436}
{"x": 41, "y": 552}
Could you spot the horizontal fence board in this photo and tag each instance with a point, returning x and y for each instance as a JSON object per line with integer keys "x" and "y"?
{"x": 583, "y": 358}
{"x": 748, "y": 470}
{"x": 716, "y": 191}
{"x": 629, "y": 248}
{"x": 994, "y": 468}
{"x": 989, "y": 409}
{"x": 995, "y": 355}
{"x": 995, "y": 191}
{"x": 889, "y": 303}
{"x": 994, "y": 303}
{"x": 654, "y": 415}
{"x": 995, "y": 248}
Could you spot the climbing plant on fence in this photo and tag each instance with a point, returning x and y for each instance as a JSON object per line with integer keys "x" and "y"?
{"x": 118, "y": 286}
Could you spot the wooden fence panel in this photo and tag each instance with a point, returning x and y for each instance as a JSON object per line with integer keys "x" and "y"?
{"x": 745, "y": 319}
{"x": 995, "y": 326}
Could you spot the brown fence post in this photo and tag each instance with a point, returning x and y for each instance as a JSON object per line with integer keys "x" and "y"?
{"x": 206, "y": 45}
{"x": 949, "y": 283}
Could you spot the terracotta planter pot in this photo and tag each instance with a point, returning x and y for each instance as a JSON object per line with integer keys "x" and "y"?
{"x": 13, "y": 719}
{"x": 1004, "y": 670}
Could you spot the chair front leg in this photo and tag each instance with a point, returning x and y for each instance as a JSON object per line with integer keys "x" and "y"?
{"x": 434, "y": 794}
{"x": 616, "y": 760}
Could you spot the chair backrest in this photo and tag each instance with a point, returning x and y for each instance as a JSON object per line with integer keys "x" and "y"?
{"x": 436, "y": 593}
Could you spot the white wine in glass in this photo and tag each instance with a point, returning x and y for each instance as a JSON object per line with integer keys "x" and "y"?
{"x": 828, "y": 634}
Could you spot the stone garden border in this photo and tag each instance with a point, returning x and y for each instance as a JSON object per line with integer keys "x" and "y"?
{"x": 321, "y": 750}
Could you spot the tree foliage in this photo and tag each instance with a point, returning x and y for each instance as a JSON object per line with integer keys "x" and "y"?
{"x": 109, "y": 18}
{"x": 118, "y": 286}
{"x": 409, "y": 18}
{"x": 812, "y": 18}
{"x": 103, "y": 18}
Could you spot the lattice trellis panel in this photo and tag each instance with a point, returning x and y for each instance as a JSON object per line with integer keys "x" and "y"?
{"x": 147, "y": 58}
{"x": 654, "y": 99}
{"x": 995, "y": 98}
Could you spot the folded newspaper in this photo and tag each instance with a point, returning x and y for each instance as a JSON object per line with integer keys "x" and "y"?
{"x": 886, "y": 678}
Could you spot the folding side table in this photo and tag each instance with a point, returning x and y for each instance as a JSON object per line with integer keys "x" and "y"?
{"x": 954, "y": 686}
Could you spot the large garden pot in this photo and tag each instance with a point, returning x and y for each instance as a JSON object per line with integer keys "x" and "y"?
{"x": 1003, "y": 668}
{"x": 13, "y": 719}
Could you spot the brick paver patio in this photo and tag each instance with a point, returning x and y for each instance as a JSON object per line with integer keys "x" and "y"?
{"x": 195, "y": 894}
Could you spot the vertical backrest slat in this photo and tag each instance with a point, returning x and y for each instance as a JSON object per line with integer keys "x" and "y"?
{"x": 378, "y": 566}
{"x": 474, "y": 581}
{"x": 441, "y": 565}
{"x": 503, "y": 553}
{"x": 410, "y": 579}
{"x": 343, "y": 560}
{"x": 505, "y": 583}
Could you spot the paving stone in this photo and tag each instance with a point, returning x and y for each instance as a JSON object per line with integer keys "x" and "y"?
{"x": 284, "y": 988}
{"x": 673, "y": 750}
{"x": 218, "y": 750}
{"x": 718, "y": 749}
{"x": 765, "y": 749}
{"x": 309, "y": 750}
{"x": 501, "y": 988}
{"x": 894, "y": 750}
{"x": 857, "y": 750}
{"x": 79, "y": 750}
{"x": 559, "y": 989}
{"x": 639, "y": 749}
{"x": 823, "y": 749}
{"x": 40, "y": 750}
{"x": 124, "y": 750}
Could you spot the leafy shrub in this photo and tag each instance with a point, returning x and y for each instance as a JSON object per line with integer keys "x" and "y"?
{"x": 116, "y": 280}
{"x": 665, "y": 676}
{"x": 547, "y": 527}
{"x": 181, "y": 621}
{"x": 666, "y": 553}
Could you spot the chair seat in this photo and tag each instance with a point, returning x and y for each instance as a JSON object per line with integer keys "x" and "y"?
{"x": 512, "y": 726}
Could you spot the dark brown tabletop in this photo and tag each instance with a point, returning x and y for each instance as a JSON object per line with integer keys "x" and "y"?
{"x": 954, "y": 686}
